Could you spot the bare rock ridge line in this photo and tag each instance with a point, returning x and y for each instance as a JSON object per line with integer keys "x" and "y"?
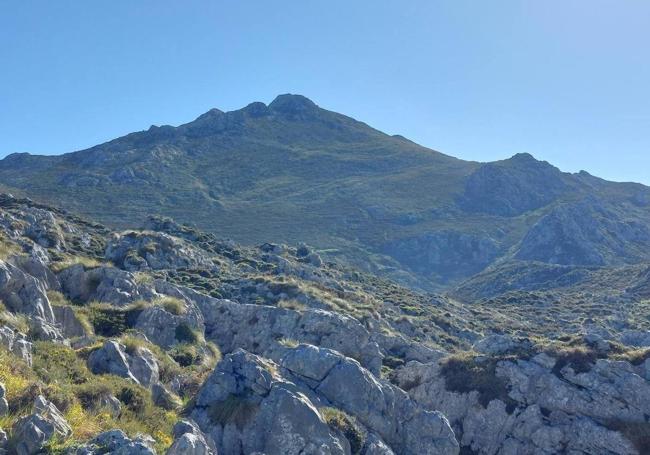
{"x": 291, "y": 172}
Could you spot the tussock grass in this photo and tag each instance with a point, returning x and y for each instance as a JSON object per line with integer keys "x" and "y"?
{"x": 61, "y": 375}
{"x": 69, "y": 261}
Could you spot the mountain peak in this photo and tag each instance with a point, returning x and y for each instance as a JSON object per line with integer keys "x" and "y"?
{"x": 292, "y": 104}
{"x": 523, "y": 157}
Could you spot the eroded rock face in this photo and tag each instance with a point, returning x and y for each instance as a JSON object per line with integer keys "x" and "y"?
{"x": 166, "y": 329}
{"x": 43, "y": 228}
{"x": 190, "y": 440}
{"x": 102, "y": 284}
{"x": 22, "y": 293}
{"x": 261, "y": 329}
{"x": 246, "y": 391}
{"x": 547, "y": 411}
{"x": 141, "y": 366}
{"x": 16, "y": 343}
{"x": 442, "y": 252}
{"x": 383, "y": 408}
{"x": 245, "y": 407}
{"x": 32, "y": 432}
{"x": 135, "y": 251}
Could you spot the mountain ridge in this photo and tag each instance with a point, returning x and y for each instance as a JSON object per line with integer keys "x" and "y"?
{"x": 291, "y": 171}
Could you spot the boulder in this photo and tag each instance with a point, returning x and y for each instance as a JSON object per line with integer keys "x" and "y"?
{"x": 116, "y": 442}
{"x": 22, "y": 293}
{"x": 141, "y": 367}
{"x": 112, "y": 404}
{"x": 144, "y": 366}
{"x": 111, "y": 358}
{"x": 190, "y": 440}
{"x": 16, "y": 343}
{"x": 69, "y": 323}
{"x": 31, "y": 433}
{"x": 495, "y": 345}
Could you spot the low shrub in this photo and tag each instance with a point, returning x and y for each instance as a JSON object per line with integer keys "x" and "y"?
{"x": 186, "y": 334}
{"x": 463, "y": 374}
{"x": 346, "y": 425}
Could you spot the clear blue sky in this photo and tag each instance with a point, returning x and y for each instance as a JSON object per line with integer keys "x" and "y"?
{"x": 565, "y": 80}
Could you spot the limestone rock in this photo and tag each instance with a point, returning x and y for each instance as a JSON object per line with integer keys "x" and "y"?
{"x": 246, "y": 393}
{"x": 135, "y": 251}
{"x": 22, "y": 293}
{"x": 164, "y": 398}
{"x": 190, "y": 440}
{"x": 30, "y": 433}
{"x": 67, "y": 320}
{"x": 497, "y": 344}
{"x": 16, "y": 343}
{"x": 102, "y": 284}
{"x": 116, "y": 442}
{"x": 141, "y": 367}
{"x": 635, "y": 338}
{"x": 260, "y": 329}
{"x": 162, "y": 327}
{"x": 246, "y": 408}
{"x": 549, "y": 411}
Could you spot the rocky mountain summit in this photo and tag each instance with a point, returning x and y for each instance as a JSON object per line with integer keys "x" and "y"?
{"x": 291, "y": 172}
{"x": 167, "y": 339}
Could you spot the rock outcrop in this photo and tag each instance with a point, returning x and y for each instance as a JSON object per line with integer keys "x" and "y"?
{"x": 31, "y": 433}
{"x": 116, "y": 442}
{"x": 247, "y": 394}
{"x": 147, "y": 250}
{"x": 544, "y": 409}
{"x": 112, "y": 358}
{"x": 190, "y": 440}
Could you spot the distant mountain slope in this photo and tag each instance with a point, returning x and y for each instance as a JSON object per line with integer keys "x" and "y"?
{"x": 293, "y": 172}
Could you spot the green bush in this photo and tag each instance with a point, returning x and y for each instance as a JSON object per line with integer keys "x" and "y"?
{"x": 463, "y": 374}
{"x": 185, "y": 334}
